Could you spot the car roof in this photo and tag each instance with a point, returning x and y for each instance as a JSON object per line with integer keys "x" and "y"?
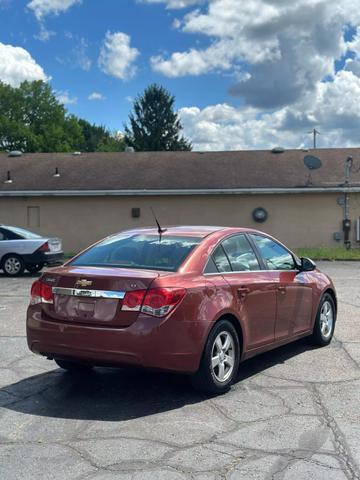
{"x": 201, "y": 231}
{"x": 178, "y": 230}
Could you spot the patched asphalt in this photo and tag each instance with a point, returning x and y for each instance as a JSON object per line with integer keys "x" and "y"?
{"x": 294, "y": 413}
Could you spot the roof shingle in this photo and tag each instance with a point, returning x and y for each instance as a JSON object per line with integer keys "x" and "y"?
{"x": 174, "y": 170}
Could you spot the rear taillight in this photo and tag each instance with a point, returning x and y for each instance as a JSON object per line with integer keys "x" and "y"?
{"x": 44, "y": 247}
{"x": 133, "y": 300}
{"x": 41, "y": 293}
{"x": 156, "y": 301}
{"x": 160, "y": 301}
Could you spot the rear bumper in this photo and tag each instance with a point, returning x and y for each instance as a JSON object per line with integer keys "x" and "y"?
{"x": 149, "y": 342}
{"x": 45, "y": 258}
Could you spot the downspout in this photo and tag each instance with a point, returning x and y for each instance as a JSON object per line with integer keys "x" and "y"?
{"x": 347, "y": 221}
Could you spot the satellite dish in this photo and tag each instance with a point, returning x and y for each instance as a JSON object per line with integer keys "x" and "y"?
{"x": 312, "y": 163}
{"x": 15, "y": 153}
{"x": 278, "y": 150}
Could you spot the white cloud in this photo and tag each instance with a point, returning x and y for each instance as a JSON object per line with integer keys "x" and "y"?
{"x": 17, "y": 65}
{"x": 281, "y": 57}
{"x": 354, "y": 44}
{"x": 353, "y": 64}
{"x": 223, "y": 127}
{"x": 42, "y": 8}
{"x": 44, "y": 35}
{"x": 330, "y": 107}
{"x": 176, "y": 3}
{"x": 194, "y": 62}
{"x": 117, "y": 57}
{"x": 281, "y": 49}
{"x": 65, "y": 98}
{"x": 96, "y": 96}
{"x": 80, "y": 54}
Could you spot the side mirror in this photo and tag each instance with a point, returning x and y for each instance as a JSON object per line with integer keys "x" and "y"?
{"x": 307, "y": 265}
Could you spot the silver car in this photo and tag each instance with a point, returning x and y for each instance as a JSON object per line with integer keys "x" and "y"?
{"x": 21, "y": 249}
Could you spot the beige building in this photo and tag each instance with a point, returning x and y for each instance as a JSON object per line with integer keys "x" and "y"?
{"x": 82, "y": 198}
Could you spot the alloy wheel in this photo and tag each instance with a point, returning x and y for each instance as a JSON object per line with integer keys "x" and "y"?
{"x": 326, "y": 319}
{"x": 223, "y": 356}
{"x": 12, "y": 266}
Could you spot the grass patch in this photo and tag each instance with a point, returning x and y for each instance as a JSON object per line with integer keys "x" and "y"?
{"x": 68, "y": 255}
{"x": 329, "y": 253}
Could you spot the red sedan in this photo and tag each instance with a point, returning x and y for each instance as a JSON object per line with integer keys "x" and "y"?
{"x": 196, "y": 300}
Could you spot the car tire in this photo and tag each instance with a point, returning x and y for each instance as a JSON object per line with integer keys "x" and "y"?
{"x": 325, "y": 322}
{"x": 13, "y": 265}
{"x": 72, "y": 366}
{"x": 35, "y": 268}
{"x": 220, "y": 360}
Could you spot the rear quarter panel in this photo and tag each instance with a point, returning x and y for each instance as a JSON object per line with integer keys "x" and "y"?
{"x": 205, "y": 302}
{"x": 21, "y": 246}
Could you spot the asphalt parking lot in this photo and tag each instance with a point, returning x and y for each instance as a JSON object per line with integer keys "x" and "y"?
{"x": 293, "y": 414}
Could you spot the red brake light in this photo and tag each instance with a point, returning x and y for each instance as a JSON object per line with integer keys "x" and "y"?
{"x": 44, "y": 248}
{"x": 160, "y": 301}
{"x": 133, "y": 300}
{"x": 41, "y": 293}
{"x": 157, "y": 302}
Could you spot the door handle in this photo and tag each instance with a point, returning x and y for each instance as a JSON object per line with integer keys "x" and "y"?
{"x": 243, "y": 291}
{"x": 282, "y": 289}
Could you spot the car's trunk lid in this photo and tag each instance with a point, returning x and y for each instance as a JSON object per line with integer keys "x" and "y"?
{"x": 93, "y": 295}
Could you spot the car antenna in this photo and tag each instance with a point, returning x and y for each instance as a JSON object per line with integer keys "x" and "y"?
{"x": 160, "y": 230}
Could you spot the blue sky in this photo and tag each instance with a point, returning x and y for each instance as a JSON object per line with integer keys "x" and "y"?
{"x": 245, "y": 74}
{"x": 151, "y": 32}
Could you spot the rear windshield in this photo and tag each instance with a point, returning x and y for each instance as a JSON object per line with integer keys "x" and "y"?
{"x": 139, "y": 251}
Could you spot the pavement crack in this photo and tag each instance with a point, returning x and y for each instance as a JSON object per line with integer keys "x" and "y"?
{"x": 350, "y": 468}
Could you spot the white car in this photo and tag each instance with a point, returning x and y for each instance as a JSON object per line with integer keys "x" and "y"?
{"x": 21, "y": 249}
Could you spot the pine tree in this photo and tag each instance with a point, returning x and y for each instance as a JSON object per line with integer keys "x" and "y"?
{"x": 154, "y": 125}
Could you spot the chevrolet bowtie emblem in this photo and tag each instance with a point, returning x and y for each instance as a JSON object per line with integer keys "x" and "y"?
{"x": 83, "y": 283}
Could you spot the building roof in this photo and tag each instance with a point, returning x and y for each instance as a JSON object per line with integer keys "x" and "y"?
{"x": 173, "y": 172}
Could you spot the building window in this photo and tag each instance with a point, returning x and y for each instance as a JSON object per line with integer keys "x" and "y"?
{"x": 33, "y": 216}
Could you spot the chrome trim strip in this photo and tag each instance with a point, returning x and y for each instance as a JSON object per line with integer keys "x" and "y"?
{"x": 76, "y": 292}
{"x": 249, "y": 271}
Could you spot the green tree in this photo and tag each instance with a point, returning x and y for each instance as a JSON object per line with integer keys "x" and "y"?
{"x": 33, "y": 120}
{"x": 154, "y": 125}
{"x": 99, "y": 139}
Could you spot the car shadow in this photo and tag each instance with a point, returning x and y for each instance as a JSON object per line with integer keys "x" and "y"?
{"x": 109, "y": 394}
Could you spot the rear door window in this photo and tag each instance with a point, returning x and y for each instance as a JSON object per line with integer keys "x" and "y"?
{"x": 240, "y": 254}
{"x": 6, "y": 234}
